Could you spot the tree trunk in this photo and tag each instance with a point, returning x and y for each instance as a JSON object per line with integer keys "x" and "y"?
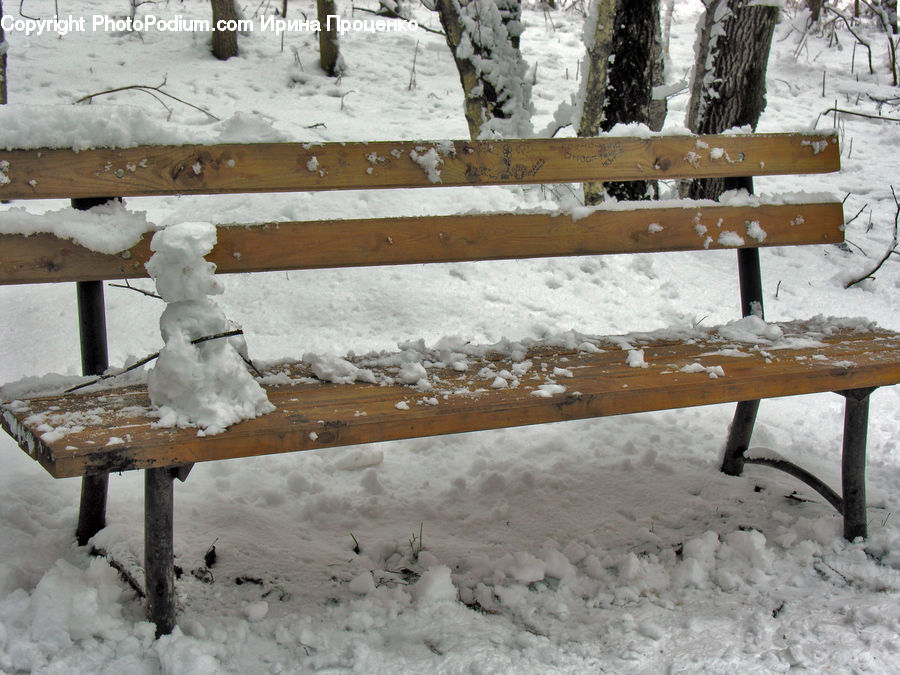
{"x": 3, "y": 49}
{"x": 624, "y": 63}
{"x": 511, "y": 17}
{"x": 483, "y": 37}
{"x": 815, "y": 9}
{"x": 729, "y": 86}
{"x": 224, "y": 42}
{"x": 329, "y": 53}
{"x": 659, "y": 104}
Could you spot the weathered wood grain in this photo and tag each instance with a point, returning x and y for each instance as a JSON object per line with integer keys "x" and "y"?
{"x": 392, "y": 241}
{"x": 279, "y": 167}
{"x": 314, "y": 415}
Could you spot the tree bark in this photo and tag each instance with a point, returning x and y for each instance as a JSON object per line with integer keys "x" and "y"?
{"x": 224, "y": 42}
{"x": 729, "y": 86}
{"x": 483, "y": 37}
{"x": 511, "y": 16}
{"x": 3, "y": 50}
{"x": 329, "y": 53}
{"x": 815, "y": 9}
{"x": 624, "y": 63}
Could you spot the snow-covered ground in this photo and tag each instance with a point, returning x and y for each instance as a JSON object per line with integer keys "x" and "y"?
{"x": 602, "y": 545}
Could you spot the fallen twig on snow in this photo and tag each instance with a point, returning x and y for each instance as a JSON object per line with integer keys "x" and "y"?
{"x": 147, "y": 89}
{"x": 891, "y": 251}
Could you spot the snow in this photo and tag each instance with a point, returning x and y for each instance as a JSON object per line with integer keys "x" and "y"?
{"x": 204, "y": 384}
{"x": 108, "y": 228}
{"x": 611, "y": 544}
{"x": 27, "y": 125}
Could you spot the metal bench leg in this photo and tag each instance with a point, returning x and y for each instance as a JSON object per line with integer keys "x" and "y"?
{"x": 853, "y": 462}
{"x": 739, "y": 437}
{"x": 751, "y": 303}
{"x": 159, "y": 557}
{"x": 92, "y": 511}
{"x": 94, "y": 361}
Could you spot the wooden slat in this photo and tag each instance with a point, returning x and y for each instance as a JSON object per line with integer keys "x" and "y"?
{"x": 389, "y": 241}
{"x": 277, "y": 167}
{"x": 316, "y": 415}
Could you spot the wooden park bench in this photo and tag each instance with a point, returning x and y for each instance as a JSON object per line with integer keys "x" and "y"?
{"x": 596, "y": 378}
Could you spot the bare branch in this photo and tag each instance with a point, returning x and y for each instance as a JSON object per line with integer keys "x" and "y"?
{"x": 148, "y": 359}
{"x": 891, "y": 251}
{"x": 148, "y": 89}
{"x": 149, "y": 294}
{"x": 846, "y": 222}
{"x": 859, "y": 114}
{"x": 125, "y": 575}
{"x": 390, "y": 14}
{"x": 847, "y": 23}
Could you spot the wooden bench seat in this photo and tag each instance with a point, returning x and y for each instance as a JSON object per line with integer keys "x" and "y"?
{"x": 92, "y": 434}
{"x": 111, "y": 431}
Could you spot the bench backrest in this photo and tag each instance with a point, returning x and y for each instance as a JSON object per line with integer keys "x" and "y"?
{"x": 280, "y": 167}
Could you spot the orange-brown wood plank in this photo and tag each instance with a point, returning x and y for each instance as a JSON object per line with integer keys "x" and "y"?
{"x": 389, "y": 241}
{"x": 111, "y": 430}
{"x": 276, "y": 167}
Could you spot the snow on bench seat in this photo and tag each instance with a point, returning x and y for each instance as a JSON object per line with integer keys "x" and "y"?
{"x": 113, "y": 430}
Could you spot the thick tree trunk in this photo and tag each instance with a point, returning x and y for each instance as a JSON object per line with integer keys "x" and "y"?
{"x": 511, "y": 16}
{"x": 815, "y": 9}
{"x": 624, "y": 62}
{"x": 483, "y": 37}
{"x": 329, "y": 52}
{"x": 729, "y": 86}
{"x": 224, "y": 42}
{"x": 3, "y": 50}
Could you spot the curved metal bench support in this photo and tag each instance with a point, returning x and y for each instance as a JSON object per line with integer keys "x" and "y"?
{"x": 853, "y": 458}
{"x": 800, "y": 473}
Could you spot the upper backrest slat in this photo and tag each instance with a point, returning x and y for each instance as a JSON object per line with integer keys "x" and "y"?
{"x": 280, "y": 167}
{"x": 392, "y": 241}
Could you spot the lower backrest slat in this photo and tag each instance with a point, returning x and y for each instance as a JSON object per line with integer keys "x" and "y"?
{"x": 391, "y": 241}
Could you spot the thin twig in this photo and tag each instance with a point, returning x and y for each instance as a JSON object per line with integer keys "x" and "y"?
{"x": 893, "y": 100}
{"x": 849, "y": 243}
{"x": 859, "y": 114}
{"x": 390, "y": 14}
{"x": 891, "y": 251}
{"x": 148, "y": 359}
{"x": 127, "y": 577}
{"x": 412, "y": 73}
{"x": 864, "y": 43}
{"x": 149, "y": 294}
{"x": 148, "y": 89}
{"x": 858, "y": 213}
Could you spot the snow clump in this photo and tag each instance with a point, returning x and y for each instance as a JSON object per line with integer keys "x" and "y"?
{"x": 205, "y": 384}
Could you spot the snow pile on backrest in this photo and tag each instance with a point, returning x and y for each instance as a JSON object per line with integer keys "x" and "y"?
{"x": 205, "y": 384}
{"x": 108, "y": 228}
{"x": 118, "y": 126}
